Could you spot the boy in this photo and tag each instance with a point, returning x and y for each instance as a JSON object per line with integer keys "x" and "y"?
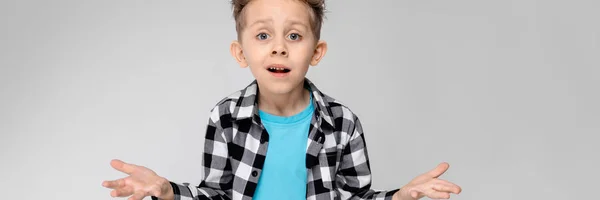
{"x": 316, "y": 147}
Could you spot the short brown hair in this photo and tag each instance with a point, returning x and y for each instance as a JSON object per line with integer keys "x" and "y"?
{"x": 317, "y": 8}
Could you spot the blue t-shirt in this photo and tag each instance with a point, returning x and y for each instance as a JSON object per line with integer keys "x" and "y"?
{"x": 284, "y": 172}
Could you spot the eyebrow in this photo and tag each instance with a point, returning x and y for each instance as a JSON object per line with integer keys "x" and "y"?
{"x": 270, "y": 21}
{"x": 295, "y": 22}
{"x": 262, "y": 21}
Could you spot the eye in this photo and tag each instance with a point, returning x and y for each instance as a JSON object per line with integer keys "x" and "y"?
{"x": 294, "y": 36}
{"x": 262, "y": 36}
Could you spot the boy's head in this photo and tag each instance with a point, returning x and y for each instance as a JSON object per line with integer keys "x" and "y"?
{"x": 278, "y": 40}
{"x": 316, "y": 9}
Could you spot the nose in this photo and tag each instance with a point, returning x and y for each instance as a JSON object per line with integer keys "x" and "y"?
{"x": 282, "y": 52}
{"x": 279, "y": 49}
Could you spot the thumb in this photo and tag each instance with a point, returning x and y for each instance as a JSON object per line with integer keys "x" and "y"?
{"x": 414, "y": 194}
{"x": 439, "y": 170}
{"x": 122, "y": 166}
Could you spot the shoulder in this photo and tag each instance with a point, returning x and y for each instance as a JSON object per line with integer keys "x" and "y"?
{"x": 343, "y": 117}
{"x": 332, "y": 107}
{"x": 224, "y": 108}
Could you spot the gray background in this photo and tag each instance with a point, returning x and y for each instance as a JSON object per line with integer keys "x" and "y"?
{"x": 505, "y": 91}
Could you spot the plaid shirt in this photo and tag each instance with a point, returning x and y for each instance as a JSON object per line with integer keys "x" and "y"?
{"x": 236, "y": 144}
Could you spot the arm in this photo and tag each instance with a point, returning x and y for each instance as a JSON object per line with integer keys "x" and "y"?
{"x": 142, "y": 182}
{"x": 354, "y": 175}
{"x": 217, "y": 169}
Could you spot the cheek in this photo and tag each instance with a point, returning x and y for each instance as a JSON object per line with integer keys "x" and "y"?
{"x": 309, "y": 50}
{"x": 305, "y": 51}
{"x": 257, "y": 49}
{"x": 305, "y": 56}
{"x": 253, "y": 55}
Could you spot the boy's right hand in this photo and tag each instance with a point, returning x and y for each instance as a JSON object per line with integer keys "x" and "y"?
{"x": 140, "y": 183}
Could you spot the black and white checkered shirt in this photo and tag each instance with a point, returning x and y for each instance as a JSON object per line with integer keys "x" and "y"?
{"x": 236, "y": 143}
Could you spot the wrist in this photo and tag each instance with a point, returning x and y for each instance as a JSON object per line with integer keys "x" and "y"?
{"x": 401, "y": 194}
{"x": 167, "y": 191}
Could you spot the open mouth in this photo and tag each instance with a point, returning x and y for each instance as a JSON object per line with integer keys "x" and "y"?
{"x": 276, "y": 69}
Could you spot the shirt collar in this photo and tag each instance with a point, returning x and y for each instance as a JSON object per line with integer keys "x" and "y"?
{"x": 247, "y": 104}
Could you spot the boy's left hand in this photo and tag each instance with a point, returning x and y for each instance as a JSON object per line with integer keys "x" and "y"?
{"x": 428, "y": 185}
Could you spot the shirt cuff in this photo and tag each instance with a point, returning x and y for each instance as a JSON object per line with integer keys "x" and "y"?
{"x": 390, "y": 194}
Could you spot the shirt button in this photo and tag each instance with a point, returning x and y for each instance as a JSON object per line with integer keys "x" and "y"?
{"x": 254, "y": 173}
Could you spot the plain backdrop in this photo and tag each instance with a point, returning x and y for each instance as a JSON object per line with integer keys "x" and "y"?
{"x": 507, "y": 92}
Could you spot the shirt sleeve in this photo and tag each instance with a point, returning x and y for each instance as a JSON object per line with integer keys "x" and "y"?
{"x": 353, "y": 178}
{"x": 217, "y": 176}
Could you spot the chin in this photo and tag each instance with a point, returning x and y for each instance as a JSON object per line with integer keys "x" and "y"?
{"x": 279, "y": 89}
{"x": 279, "y": 86}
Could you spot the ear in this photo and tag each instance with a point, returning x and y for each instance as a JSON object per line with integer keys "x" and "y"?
{"x": 238, "y": 54}
{"x": 320, "y": 51}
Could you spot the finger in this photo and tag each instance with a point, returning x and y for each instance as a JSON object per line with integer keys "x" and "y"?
{"x": 451, "y": 187}
{"x": 114, "y": 184}
{"x": 432, "y": 194}
{"x": 122, "y": 166}
{"x": 123, "y": 192}
{"x": 137, "y": 196}
{"x": 439, "y": 170}
{"x": 443, "y": 188}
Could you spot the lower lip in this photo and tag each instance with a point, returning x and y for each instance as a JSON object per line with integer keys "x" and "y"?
{"x": 279, "y": 75}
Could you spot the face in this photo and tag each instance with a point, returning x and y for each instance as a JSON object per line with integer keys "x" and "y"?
{"x": 278, "y": 44}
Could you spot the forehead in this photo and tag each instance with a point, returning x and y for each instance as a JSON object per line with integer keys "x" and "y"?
{"x": 277, "y": 11}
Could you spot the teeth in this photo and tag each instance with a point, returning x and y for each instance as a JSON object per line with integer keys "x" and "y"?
{"x": 277, "y": 68}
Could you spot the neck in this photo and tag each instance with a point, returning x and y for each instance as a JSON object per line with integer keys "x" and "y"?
{"x": 286, "y": 104}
